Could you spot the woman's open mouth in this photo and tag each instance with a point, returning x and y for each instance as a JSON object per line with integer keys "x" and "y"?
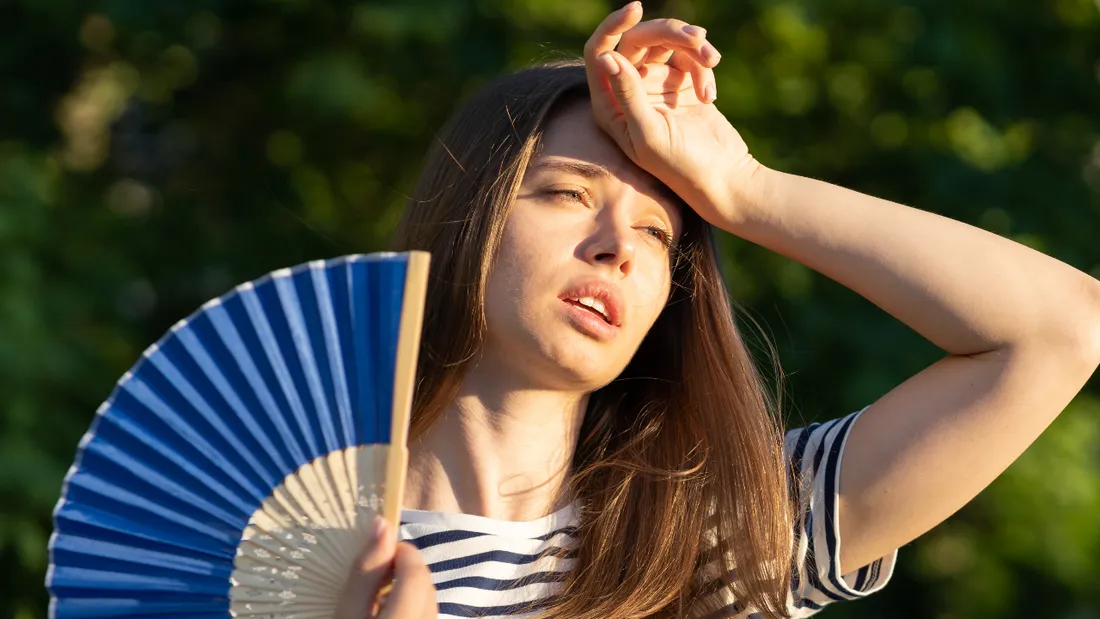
{"x": 594, "y": 305}
{"x": 589, "y": 320}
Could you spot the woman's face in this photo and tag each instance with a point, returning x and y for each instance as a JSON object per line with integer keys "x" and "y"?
{"x": 583, "y": 268}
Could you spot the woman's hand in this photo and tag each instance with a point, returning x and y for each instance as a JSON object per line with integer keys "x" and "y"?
{"x": 654, "y": 97}
{"x": 384, "y": 562}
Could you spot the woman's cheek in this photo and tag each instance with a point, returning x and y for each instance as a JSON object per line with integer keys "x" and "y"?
{"x": 519, "y": 244}
{"x": 532, "y": 235}
{"x": 656, "y": 285}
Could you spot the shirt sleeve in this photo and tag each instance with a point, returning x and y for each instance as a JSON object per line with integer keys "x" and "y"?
{"x": 815, "y": 454}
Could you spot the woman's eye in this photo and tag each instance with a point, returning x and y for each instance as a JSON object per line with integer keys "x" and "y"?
{"x": 660, "y": 234}
{"x": 573, "y": 195}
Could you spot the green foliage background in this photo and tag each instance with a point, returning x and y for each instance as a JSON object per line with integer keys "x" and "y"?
{"x": 152, "y": 154}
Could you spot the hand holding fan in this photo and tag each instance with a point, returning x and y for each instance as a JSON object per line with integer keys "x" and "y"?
{"x": 237, "y": 468}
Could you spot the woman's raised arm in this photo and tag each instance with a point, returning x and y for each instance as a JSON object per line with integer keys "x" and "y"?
{"x": 1021, "y": 329}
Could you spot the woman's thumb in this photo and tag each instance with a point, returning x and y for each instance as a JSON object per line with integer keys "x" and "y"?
{"x": 370, "y": 572}
{"x": 626, "y": 85}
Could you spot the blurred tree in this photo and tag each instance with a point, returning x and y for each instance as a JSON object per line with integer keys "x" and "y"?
{"x": 153, "y": 154}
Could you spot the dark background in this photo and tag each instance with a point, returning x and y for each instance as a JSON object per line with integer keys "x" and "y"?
{"x": 155, "y": 152}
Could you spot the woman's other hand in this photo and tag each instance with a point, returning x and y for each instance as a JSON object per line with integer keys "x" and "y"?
{"x": 654, "y": 96}
{"x": 385, "y": 562}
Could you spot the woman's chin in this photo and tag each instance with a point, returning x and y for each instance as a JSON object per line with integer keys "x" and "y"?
{"x": 587, "y": 364}
{"x": 559, "y": 356}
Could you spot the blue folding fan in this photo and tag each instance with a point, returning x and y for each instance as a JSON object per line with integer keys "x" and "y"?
{"x": 236, "y": 469}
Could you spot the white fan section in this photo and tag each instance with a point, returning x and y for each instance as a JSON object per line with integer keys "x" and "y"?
{"x": 300, "y": 545}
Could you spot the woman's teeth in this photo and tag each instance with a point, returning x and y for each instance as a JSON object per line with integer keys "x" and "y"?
{"x": 595, "y": 304}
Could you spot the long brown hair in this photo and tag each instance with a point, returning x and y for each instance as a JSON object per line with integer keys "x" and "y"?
{"x": 679, "y": 468}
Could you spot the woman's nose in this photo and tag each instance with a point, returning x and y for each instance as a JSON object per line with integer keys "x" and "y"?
{"x": 612, "y": 245}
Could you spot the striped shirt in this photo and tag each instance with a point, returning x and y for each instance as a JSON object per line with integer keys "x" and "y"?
{"x": 489, "y": 568}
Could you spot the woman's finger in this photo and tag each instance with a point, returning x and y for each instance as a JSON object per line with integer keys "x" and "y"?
{"x": 608, "y": 34}
{"x": 630, "y": 95}
{"x": 634, "y": 54}
{"x": 657, "y": 55}
{"x": 667, "y": 85}
{"x": 371, "y": 570}
{"x": 702, "y": 78}
{"x": 413, "y": 596}
{"x": 603, "y": 40}
{"x": 671, "y": 33}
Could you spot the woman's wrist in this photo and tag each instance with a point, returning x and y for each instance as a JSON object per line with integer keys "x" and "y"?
{"x": 743, "y": 195}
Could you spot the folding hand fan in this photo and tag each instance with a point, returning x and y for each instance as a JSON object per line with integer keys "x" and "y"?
{"x": 236, "y": 469}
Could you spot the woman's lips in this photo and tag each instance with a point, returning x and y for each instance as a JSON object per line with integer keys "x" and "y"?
{"x": 589, "y": 308}
{"x": 589, "y": 321}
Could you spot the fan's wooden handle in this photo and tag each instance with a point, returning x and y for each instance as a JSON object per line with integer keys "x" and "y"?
{"x": 408, "y": 345}
{"x": 397, "y": 463}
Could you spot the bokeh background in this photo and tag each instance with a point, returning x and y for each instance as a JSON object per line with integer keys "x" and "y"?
{"x": 154, "y": 153}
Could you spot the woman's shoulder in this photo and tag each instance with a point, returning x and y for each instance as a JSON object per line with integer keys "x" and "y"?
{"x": 816, "y": 440}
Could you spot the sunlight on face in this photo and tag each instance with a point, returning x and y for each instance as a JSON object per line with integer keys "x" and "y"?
{"x": 583, "y": 268}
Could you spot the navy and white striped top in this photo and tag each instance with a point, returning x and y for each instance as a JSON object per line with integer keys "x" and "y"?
{"x": 489, "y": 568}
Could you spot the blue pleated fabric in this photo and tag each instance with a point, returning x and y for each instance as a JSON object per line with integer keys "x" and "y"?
{"x": 215, "y": 415}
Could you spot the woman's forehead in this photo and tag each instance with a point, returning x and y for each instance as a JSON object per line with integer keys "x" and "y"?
{"x": 574, "y": 135}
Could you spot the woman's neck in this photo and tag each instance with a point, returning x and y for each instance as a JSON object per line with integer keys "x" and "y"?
{"x": 499, "y": 450}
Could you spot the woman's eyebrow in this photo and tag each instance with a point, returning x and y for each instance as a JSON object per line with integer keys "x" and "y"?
{"x": 583, "y": 169}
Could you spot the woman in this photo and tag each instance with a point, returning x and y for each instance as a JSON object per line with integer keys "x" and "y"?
{"x": 590, "y": 438}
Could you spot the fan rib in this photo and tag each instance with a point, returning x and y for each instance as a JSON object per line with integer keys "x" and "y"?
{"x": 284, "y": 382}
{"x": 163, "y": 483}
{"x": 84, "y": 520}
{"x": 190, "y": 341}
{"x": 90, "y": 483}
{"x": 331, "y": 334}
{"x": 333, "y": 354}
{"x": 300, "y": 333}
{"x": 203, "y": 408}
{"x": 100, "y": 581}
{"x": 295, "y": 317}
{"x": 224, "y": 323}
{"x": 138, "y": 556}
{"x": 144, "y": 396}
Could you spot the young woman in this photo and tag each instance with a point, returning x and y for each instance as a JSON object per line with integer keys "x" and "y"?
{"x": 590, "y": 437}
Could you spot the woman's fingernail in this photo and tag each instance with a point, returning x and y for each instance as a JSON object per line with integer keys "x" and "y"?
{"x": 609, "y": 64}
{"x": 710, "y": 53}
{"x": 711, "y": 93}
{"x": 694, "y": 31}
{"x": 381, "y": 527}
{"x": 633, "y": 5}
